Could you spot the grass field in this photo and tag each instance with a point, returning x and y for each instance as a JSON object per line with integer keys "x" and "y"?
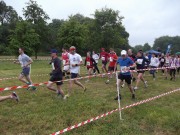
{"x": 42, "y": 112}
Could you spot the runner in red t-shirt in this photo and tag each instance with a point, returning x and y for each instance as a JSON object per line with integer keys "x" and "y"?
{"x": 104, "y": 57}
{"x": 112, "y": 61}
{"x": 89, "y": 62}
{"x": 65, "y": 59}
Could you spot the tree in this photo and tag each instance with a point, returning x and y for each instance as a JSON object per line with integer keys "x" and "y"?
{"x": 138, "y": 47}
{"x": 24, "y": 36}
{"x": 7, "y": 14}
{"x": 164, "y": 41}
{"x": 108, "y": 31}
{"x": 36, "y": 15}
{"x": 53, "y": 29}
{"x": 146, "y": 47}
{"x": 72, "y": 33}
{"x": 8, "y": 19}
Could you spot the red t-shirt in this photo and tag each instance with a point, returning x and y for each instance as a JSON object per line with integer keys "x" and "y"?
{"x": 89, "y": 62}
{"x": 104, "y": 56}
{"x": 112, "y": 59}
{"x": 65, "y": 57}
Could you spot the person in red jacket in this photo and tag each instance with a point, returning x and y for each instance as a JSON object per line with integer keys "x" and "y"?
{"x": 89, "y": 62}
{"x": 104, "y": 57}
{"x": 65, "y": 60}
{"x": 112, "y": 61}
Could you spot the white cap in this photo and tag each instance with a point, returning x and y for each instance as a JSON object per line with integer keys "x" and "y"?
{"x": 123, "y": 52}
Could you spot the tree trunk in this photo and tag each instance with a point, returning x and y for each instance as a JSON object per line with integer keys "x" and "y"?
{"x": 36, "y": 55}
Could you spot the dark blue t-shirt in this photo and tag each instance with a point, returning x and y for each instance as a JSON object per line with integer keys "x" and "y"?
{"x": 140, "y": 62}
{"x": 123, "y": 63}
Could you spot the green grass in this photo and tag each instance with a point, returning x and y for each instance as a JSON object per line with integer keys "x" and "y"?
{"x": 42, "y": 112}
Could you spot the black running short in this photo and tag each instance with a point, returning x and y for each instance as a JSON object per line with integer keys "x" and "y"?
{"x": 55, "y": 78}
{"x": 127, "y": 78}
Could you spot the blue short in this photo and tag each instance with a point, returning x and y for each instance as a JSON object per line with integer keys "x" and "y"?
{"x": 74, "y": 75}
{"x": 25, "y": 71}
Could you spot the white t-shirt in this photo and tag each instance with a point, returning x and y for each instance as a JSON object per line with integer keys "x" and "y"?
{"x": 95, "y": 57}
{"x": 24, "y": 59}
{"x": 75, "y": 59}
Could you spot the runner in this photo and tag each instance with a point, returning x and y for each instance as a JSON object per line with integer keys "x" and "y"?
{"x": 104, "y": 57}
{"x": 146, "y": 63}
{"x": 75, "y": 61}
{"x": 132, "y": 57}
{"x": 162, "y": 62}
{"x": 25, "y": 62}
{"x": 154, "y": 63}
{"x": 96, "y": 58}
{"x": 56, "y": 74}
{"x": 173, "y": 66}
{"x": 13, "y": 96}
{"x": 178, "y": 64}
{"x": 112, "y": 61}
{"x": 167, "y": 60}
{"x": 89, "y": 62}
{"x": 65, "y": 58}
{"x": 140, "y": 65}
{"x": 125, "y": 64}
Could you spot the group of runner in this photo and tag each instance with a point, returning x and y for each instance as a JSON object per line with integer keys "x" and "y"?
{"x": 71, "y": 62}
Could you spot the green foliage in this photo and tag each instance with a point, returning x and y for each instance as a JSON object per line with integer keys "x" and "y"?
{"x": 108, "y": 30}
{"x": 7, "y": 14}
{"x": 34, "y": 13}
{"x": 72, "y": 33}
{"x": 164, "y": 41}
{"x": 24, "y": 36}
{"x": 37, "y": 16}
{"x": 144, "y": 48}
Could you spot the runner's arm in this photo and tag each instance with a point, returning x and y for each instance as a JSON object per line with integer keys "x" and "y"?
{"x": 29, "y": 62}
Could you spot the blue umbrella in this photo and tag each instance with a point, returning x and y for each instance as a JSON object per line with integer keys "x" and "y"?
{"x": 153, "y": 52}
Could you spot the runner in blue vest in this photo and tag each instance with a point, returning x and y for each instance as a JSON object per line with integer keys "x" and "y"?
{"x": 125, "y": 64}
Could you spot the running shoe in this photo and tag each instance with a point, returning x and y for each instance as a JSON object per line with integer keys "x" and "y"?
{"x": 85, "y": 89}
{"x": 66, "y": 96}
{"x": 34, "y": 88}
{"x": 58, "y": 93}
{"x": 134, "y": 79}
{"x": 135, "y": 88}
{"x": 107, "y": 82}
{"x": 15, "y": 96}
{"x": 28, "y": 86}
{"x": 145, "y": 83}
{"x": 133, "y": 96}
{"x": 123, "y": 85}
{"x": 116, "y": 98}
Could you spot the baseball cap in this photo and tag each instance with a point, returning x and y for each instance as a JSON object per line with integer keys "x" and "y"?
{"x": 123, "y": 52}
{"x": 72, "y": 48}
{"x": 54, "y": 51}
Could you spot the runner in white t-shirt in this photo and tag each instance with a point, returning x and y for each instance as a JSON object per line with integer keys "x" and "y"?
{"x": 75, "y": 61}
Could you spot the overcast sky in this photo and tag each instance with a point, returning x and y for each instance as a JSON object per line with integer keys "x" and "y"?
{"x": 145, "y": 20}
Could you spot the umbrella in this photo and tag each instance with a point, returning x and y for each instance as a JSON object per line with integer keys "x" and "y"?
{"x": 178, "y": 53}
{"x": 153, "y": 52}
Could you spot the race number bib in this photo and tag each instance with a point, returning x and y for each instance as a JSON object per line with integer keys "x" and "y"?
{"x": 53, "y": 66}
{"x": 167, "y": 61}
{"x": 64, "y": 62}
{"x": 162, "y": 60}
{"x": 124, "y": 69}
{"x": 111, "y": 59}
{"x": 103, "y": 58}
{"x": 88, "y": 63}
{"x": 139, "y": 61}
